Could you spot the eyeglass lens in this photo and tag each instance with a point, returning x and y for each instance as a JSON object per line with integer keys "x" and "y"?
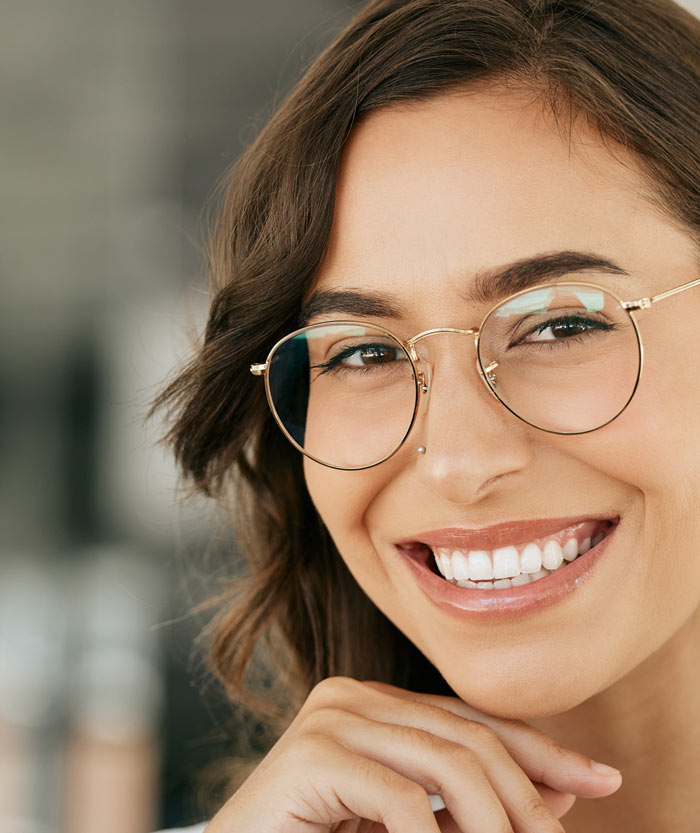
{"x": 564, "y": 358}
{"x": 346, "y": 394}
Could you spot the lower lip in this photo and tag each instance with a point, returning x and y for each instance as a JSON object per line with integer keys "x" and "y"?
{"x": 494, "y": 605}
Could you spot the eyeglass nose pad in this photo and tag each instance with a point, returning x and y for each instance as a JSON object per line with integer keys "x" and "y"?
{"x": 422, "y": 381}
{"x": 423, "y": 376}
{"x": 488, "y": 374}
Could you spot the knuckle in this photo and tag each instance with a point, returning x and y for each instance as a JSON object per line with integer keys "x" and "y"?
{"x": 554, "y": 749}
{"x": 366, "y": 769}
{"x": 466, "y": 758}
{"x": 331, "y": 689}
{"x": 311, "y": 746}
{"x": 409, "y": 792}
{"x": 461, "y": 757}
{"x": 342, "y": 685}
{"x": 450, "y": 758}
{"x": 534, "y": 809}
{"x": 323, "y": 718}
{"x": 482, "y": 734}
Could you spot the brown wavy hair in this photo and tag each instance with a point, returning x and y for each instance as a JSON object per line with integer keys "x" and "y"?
{"x": 631, "y": 67}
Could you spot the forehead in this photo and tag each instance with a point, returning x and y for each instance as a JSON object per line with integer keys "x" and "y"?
{"x": 432, "y": 193}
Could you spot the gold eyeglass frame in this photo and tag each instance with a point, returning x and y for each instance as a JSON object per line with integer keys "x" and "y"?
{"x": 486, "y": 374}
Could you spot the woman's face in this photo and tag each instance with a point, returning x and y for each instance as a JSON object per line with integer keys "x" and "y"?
{"x": 430, "y": 197}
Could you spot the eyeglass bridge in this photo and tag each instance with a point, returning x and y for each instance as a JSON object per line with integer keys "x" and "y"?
{"x": 488, "y": 372}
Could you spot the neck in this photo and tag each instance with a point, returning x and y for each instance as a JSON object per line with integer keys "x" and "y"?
{"x": 648, "y": 726}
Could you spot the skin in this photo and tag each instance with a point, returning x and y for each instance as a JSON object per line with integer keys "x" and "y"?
{"x": 429, "y": 195}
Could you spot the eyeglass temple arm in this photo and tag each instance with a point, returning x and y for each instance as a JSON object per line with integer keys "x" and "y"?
{"x": 258, "y": 369}
{"x": 645, "y": 303}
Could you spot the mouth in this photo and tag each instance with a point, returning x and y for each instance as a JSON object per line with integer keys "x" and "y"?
{"x": 507, "y": 563}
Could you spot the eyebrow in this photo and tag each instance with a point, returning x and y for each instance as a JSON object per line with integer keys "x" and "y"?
{"x": 489, "y": 286}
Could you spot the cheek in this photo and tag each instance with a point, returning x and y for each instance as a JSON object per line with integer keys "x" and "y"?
{"x": 654, "y": 445}
{"x": 342, "y": 499}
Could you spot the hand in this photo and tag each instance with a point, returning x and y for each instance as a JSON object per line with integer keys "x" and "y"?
{"x": 365, "y": 756}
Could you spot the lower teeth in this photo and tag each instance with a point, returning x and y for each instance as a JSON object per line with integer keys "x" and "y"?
{"x": 505, "y": 583}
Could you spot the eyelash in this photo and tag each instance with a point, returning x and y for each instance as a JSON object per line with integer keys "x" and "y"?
{"x": 334, "y": 364}
{"x": 591, "y": 325}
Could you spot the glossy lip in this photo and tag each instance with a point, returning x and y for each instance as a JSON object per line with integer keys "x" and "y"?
{"x": 498, "y": 535}
{"x": 495, "y": 605}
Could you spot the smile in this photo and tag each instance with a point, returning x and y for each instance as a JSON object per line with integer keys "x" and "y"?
{"x": 508, "y": 569}
{"x": 517, "y": 565}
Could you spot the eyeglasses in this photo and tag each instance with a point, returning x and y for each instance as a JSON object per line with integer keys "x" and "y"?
{"x": 563, "y": 357}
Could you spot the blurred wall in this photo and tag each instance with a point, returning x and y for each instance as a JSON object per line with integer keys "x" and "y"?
{"x": 118, "y": 118}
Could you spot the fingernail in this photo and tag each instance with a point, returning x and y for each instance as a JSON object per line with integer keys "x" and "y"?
{"x": 604, "y": 769}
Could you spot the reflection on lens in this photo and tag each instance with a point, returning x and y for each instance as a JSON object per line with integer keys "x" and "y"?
{"x": 564, "y": 358}
{"x": 344, "y": 393}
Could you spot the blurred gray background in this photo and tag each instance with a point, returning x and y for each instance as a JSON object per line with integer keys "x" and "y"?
{"x": 118, "y": 118}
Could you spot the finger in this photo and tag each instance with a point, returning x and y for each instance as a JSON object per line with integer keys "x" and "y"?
{"x": 539, "y": 756}
{"x": 320, "y": 784}
{"x": 481, "y": 799}
{"x": 356, "y": 786}
{"x": 559, "y": 803}
{"x": 352, "y": 695}
{"x": 505, "y": 773}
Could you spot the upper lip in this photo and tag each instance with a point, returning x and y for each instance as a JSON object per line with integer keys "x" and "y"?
{"x": 498, "y": 535}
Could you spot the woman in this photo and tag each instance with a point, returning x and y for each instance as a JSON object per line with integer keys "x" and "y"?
{"x": 470, "y": 517}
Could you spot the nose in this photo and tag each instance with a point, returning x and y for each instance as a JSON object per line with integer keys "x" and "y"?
{"x": 471, "y": 440}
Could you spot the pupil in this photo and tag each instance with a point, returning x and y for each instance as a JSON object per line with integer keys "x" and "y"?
{"x": 567, "y": 328}
{"x": 375, "y": 356}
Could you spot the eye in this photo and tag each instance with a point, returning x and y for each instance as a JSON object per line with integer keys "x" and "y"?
{"x": 565, "y": 328}
{"x": 363, "y": 357}
{"x": 370, "y": 354}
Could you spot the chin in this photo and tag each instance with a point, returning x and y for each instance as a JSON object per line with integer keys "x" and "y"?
{"x": 522, "y": 698}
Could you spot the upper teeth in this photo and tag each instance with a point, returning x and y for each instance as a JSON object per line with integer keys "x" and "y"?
{"x": 507, "y": 562}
